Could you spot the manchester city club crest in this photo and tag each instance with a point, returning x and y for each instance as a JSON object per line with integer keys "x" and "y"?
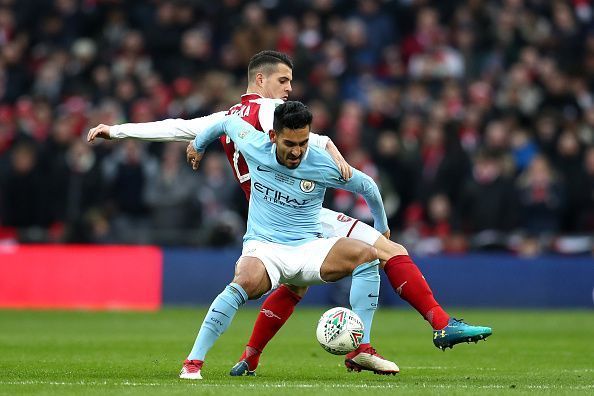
{"x": 242, "y": 134}
{"x": 307, "y": 185}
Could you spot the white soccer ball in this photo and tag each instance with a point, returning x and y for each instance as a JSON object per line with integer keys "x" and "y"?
{"x": 340, "y": 331}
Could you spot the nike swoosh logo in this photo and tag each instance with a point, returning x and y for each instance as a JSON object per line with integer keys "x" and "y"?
{"x": 222, "y": 313}
{"x": 372, "y": 295}
{"x": 262, "y": 169}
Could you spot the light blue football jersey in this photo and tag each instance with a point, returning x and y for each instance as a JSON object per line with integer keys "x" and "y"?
{"x": 285, "y": 203}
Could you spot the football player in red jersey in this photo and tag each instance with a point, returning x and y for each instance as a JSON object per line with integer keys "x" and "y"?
{"x": 269, "y": 83}
{"x": 269, "y": 74}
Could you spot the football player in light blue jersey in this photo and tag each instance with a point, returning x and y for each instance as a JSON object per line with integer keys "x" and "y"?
{"x": 283, "y": 242}
{"x": 289, "y": 181}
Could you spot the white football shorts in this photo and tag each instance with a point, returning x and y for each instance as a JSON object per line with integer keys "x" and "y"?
{"x": 295, "y": 265}
{"x": 335, "y": 224}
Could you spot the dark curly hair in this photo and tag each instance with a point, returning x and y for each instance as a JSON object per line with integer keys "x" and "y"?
{"x": 291, "y": 115}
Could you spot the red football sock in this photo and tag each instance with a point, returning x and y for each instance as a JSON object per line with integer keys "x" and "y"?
{"x": 410, "y": 284}
{"x": 251, "y": 356}
{"x": 277, "y": 308}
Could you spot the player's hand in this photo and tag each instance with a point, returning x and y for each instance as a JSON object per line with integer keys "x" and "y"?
{"x": 193, "y": 157}
{"x": 346, "y": 171}
{"x": 100, "y": 131}
{"x": 387, "y": 234}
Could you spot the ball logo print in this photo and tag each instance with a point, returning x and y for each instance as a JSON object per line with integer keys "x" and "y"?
{"x": 357, "y": 336}
{"x": 338, "y": 318}
{"x": 340, "y": 331}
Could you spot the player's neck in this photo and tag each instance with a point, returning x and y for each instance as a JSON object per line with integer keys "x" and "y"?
{"x": 254, "y": 90}
{"x": 278, "y": 160}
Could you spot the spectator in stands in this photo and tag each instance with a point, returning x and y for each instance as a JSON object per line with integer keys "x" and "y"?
{"x": 487, "y": 202}
{"x": 23, "y": 188}
{"x": 587, "y": 217}
{"x": 169, "y": 194}
{"x": 569, "y": 161}
{"x": 541, "y": 199}
{"x": 254, "y": 34}
{"x": 84, "y": 191}
{"x": 127, "y": 171}
{"x": 219, "y": 200}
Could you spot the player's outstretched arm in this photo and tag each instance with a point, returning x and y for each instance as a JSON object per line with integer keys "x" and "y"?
{"x": 170, "y": 130}
{"x": 324, "y": 142}
{"x": 362, "y": 184}
{"x": 366, "y": 186}
{"x": 239, "y": 131}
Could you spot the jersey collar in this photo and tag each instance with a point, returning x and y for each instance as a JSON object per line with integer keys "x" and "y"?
{"x": 251, "y": 96}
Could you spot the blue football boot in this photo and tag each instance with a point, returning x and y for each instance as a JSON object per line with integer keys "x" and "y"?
{"x": 457, "y": 331}
{"x": 241, "y": 368}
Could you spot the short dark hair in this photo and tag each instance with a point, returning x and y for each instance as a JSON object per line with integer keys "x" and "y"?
{"x": 292, "y": 115}
{"x": 264, "y": 61}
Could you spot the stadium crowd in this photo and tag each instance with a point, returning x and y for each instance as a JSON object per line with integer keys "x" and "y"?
{"x": 475, "y": 116}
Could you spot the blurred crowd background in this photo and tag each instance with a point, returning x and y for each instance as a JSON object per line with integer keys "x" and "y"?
{"x": 476, "y": 117}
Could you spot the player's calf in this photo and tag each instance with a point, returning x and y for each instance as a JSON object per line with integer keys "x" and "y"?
{"x": 275, "y": 311}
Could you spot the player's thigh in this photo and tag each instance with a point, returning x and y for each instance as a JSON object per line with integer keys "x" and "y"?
{"x": 297, "y": 266}
{"x": 336, "y": 224}
{"x": 302, "y": 265}
{"x": 251, "y": 274}
{"x": 341, "y": 225}
{"x": 257, "y": 268}
{"x": 346, "y": 255}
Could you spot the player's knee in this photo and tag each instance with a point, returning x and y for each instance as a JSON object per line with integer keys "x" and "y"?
{"x": 250, "y": 285}
{"x": 397, "y": 249}
{"x": 299, "y": 290}
{"x": 387, "y": 249}
{"x": 367, "y": 254}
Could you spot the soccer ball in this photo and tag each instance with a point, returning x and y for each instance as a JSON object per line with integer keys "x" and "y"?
{"x": 339, "y": 331}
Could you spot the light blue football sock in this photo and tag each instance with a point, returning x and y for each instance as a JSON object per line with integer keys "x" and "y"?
{"x": 218, "y": 318}
{"x": 364, "y": 295}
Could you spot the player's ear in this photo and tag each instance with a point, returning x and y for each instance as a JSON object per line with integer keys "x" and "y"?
{"x": 272, "y": 136}
{"x": 259, "y": 79}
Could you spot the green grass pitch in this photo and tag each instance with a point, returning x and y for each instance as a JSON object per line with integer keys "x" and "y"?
{"x": 122, "y": 353}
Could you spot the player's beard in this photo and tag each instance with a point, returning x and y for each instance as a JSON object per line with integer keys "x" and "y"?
{"x": 293, "y": 162}
{"x": 287, "y": 160}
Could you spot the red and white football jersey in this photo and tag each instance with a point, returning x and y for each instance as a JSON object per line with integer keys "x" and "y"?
{"x": 259, "y": 112}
